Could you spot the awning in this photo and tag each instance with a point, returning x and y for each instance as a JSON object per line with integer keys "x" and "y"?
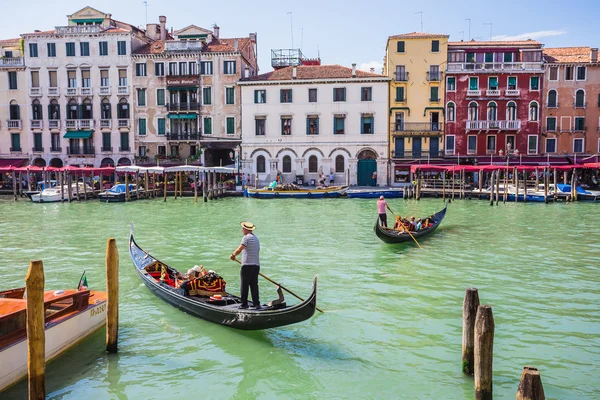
{"x": 78, "y": 135}
{"x": 183, "y": 116}
{"x": 9, "y": 164}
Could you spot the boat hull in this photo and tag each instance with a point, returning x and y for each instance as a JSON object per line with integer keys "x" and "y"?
{"x": 339, "y": 191}
{"x": 393, "y": 237}
{"x": 374, "y": 194}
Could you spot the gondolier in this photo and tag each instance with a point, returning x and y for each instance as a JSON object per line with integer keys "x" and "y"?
{"x": 250, "y": 248}
{"x": 381, "y": 206}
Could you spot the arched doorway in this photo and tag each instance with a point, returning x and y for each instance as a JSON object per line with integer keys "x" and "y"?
{"x": 107, "y": 162}
{"x": 367, "y": 164}
{"x": 124, "y": 161}
{"x": 56, "y": 162}
{"x": 39, "y": 162}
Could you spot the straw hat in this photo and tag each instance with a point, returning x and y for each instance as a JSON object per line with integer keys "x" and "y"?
{"x": 248, "y": 226}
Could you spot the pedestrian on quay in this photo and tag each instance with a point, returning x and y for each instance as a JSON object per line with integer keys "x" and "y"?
{"x": 249, "y": 248}
{"x": 381, "y": 206}
{"x": 374, "y": 178}
{"x": 331, "y": 178}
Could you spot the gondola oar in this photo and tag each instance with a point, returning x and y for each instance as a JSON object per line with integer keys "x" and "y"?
{"x": 406, "y": 229}
{"x": 281, "y": 286}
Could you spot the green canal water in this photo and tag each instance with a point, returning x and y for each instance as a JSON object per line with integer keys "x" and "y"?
{"x": 392, "y": 321}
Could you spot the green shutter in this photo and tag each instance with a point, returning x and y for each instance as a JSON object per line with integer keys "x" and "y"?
{"x": 162, "y": 126}
{"x": 493, "y": 82}
{"x": 291, "y": 92}
{"x": 308, "y": 125}
{"x": 512, "y": 80}
{"x": 160, "y": 97}
{"x": 473, "y": 84}
{"x": 317, "y": 125}
{"x": 207, "y": 126}
{"x": 230, "y": 125}
{"x": 255, "y": 96}
{"x": 362, "y": 124}
{"x": 281, "y": 95}
{"x": 142, "y": 126}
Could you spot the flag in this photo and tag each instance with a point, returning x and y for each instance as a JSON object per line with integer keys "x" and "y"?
{"x": 82, "y": 282}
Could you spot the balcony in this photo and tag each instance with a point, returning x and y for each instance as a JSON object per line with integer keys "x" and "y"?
{"x": 54, "y": 124}
{"x": 493, "y": 66}
{"x": 512, "y": 92}
{"x": 195, "y": 135}
{"x": 78, "y": 29}
{"x": 55, "y": 149}
{"x": 105, "y": 123}
{"x": 13, "y": 124}
{"x": 8, "y": 62}
{"x": 36, "y": 124}
{"x": 104, "y": 91}
{"x": 81, "y": 151}
{"x": 183, "y": 45}
{"x": 418, "y": 127}
{"x": 124, "y": 123}
{"x": 71, "y": 92}
{"x": 53, "y": 91}
{"x": 86, "y": 124}
{"x": 580, "y": 129}
{"x": 492, "y": 93}
{"x": 37, "y": 150}
{"x": 415, "y": 154}
{"x": 125, "y": 149}
{"x": 434, "y": 76}
{"x": 35, "y": 92}
{"x": 183, "y": 106}
{"x": 71, "y": 124}
{"x": 493, "y": 125}
{"x": 401, "y": 76}
{"x": 85, "y": 91}
{"x": 474, "y": 93}
{"x": 123, "y": 90}
{"x": 106, "y": 149}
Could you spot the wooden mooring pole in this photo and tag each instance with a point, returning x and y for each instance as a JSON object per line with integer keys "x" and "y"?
{"x": 112, "y": 288}
{"x": 530, "y": 387}
{"x": 470, "y": 305}
{"x": 36, "y": 334}
{"x": 484, "y": 351}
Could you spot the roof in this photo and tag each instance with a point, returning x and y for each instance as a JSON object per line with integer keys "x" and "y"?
{"x": 308, "y": 72}
{"x": 226, "y": 45}
{"x": 568, "y": 55}
{"x": 494, "y": 43}
{"x": 418, "y": 35}
{"x": 156, "y": 47}
{"x": 10, "y": 42}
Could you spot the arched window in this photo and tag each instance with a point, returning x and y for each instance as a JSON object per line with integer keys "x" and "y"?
{"x": 473, "y": 111}
{"x": 260, "y": 164}
{"x": 533, "y": 111}
{"x": 36, "y": 110}
{"x": 450, "y": 112}
{"x": 492, "y": 111}
{"x": 105, "y": 112}
{"x": 54, "y": 110}
{"x": 14, "y": 110}
{"x": 552, "y": 98}
{"x": 287, "y": 164}
{"x": 511, "y": 111}
{"x": 339, "y": 164}
{"x": 580, "y": 98}
{"x": 123, "y": 109}
{"x": 72, "y": 108}
{"x": 313, "y": 164}
{"x": 86, "y": 109}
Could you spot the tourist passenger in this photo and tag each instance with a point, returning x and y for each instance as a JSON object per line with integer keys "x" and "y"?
{"x": 419, "y": 224}
{"x": 250, "y": 248}
{"x": 411, "y": 224}
{"x": 381, "y": 206}
{"x": 399, "y": 226}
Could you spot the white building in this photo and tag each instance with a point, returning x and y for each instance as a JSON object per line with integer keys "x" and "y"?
{"x": 308, "y": 120}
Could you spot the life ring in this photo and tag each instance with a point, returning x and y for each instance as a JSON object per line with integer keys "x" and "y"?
{"x": 309, "y": 194}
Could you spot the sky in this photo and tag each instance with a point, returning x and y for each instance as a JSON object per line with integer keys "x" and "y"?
{"x": 339, "y": 31}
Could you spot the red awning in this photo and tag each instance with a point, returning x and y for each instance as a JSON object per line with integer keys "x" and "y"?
{"x": 8, "y": 164}
{"x": 592, "y": 165}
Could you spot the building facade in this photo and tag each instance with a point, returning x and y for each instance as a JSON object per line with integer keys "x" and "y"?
{"x": 415, "y": 62}
{"x": 307, "y": 120}
{"x": 493, "y": 100}
{"x": 571, "y": 104}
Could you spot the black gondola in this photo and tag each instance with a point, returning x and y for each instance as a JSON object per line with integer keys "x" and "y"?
{"x": 225, "y": 310}
{"x": 392, "y": 237}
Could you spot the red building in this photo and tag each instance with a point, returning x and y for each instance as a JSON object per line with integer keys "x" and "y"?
{"x": 493, "y": 100}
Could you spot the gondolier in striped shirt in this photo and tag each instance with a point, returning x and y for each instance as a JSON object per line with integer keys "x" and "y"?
{"x": 250, "y": 248}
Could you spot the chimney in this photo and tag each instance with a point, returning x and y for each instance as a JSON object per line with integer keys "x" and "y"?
{"x": 246, "y": 72}
{"x": 151, "y": 30}
{"x": 354, "y": 70}
{"x": 294, "y": 72}
{"x": 235, "y": 45}
{"x": 216, "y": 31}
{"x": 594, "y": 54}
{"x": 372, "y": 70}
{"x": 163, "y": 27}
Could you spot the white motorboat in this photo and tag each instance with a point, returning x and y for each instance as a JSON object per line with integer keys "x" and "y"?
{"x": 55, "y": 194}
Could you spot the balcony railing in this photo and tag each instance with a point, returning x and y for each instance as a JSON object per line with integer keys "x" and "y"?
{"x": 86, "y": 91}
{"x": 106, "y": 149}
{"x": 72, "y": 91}
{"x": 184, "y": 136}
{"x": 71, "y": 124}
{"x": 86, "y": 123}
{"x": 16, "y": 149}
{"x": 419, "y": 127}
{"x": 56, "y": 149}
{"x": 512, "y": 92}
{"x": 35, "y": 91}
{"x": 123, "y": 90}
{"x": 492, "y": 92}
{"x": 493, "y": 125}
{"x": 53, "y": 91}
{"x": 417, "y": 154}
{"x": 493, "y": 66}
{"x": 580, "y": 129}
{"x": 183, "y": 106}
{"x": 54, "y": 124}
{"x": 473, "y": 92}
{"x": 13, "y": 123}
{"x": 78, "y": 29}
{"x": 105, "y": 123}
{"x": 124, "y": 123}
{"x": 37, "y": 149}
{"x": 36, "y": 123}
{"x": 433, "y": 76}
{"x": 104, "y": 91}
{"x": 12, "y": 62}
{"x": 83, "y": 150}
{"x": 183, "y": 45}
{"x": 401, "y": 76}
{"x": 124, "y": 149}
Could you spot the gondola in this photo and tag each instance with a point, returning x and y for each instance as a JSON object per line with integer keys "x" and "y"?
{"x": 392, "y": 237}
{"x": 221, "y": 309}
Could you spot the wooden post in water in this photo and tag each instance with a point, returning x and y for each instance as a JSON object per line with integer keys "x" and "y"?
{"x": 69, "y": 186}
{"x": 14, "y": 181}
{"x": 418, "y": 189}
{"x": 470, "y": 305}
{"x": 555, "y": 183}
{"x": 195, "y": 186}
{"x": 36, "y": 334}
{"x": 127, "y": 194}
{"x": 147, "y": 184}
{"x": 565, "y": 177}
{"x": 453, "y": 185}
{"x": 546, "y": 178}
{"x": 100, "y": 184}
{"x": 444, "y": 186}
{"x": 497, "y": 185}
{"x": 175, "y": 176}
{"x": 480, "y": 174}
{"x": 214, "y": 184}
{"x": 20, "y": 184}
{"x": 112, "y": 288}
{"x": 530, "y": 386}
{"x": 137, "y": 184}
{"x": 505, "y": 191}
{"x": 492, "y": 188}
{"x": 210, "y": 191}
{"x": 165, "y": 186}
{"x": 574, "y": 186}
{"x": 484, "y": 352}
{"x": 204, "y": 186}
{"x": 84, "y": 186}
{"x": 76, "y": 186}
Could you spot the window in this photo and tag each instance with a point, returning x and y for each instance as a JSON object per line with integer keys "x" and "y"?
{"x": 581, "y": 73}
{"x": 508, "y": 57}
{"x": 511, "y": 111}
{"x": 37, "y": 142}
{"x": 287, "y": 164}
{"x": 568, "y": 73}
{"x": 400, "y": 93}
{"x": 473, "y": 111}
{"x": 70, "y": 48}
{"x": 124, "y": 141}
{"x": 206, "y": 96}
{"x": 578, "y": 145}
{"x": 401, "y": 74}
{"x": 512, "y": 83}
{"x": 15, "y": 142}
{"x": 260, "y": 164}
{"x": 33, "y": 50}
{"x": 451, "y": 112}
{"x": 433, "y": 94}
{"x": 435, "y": 46}
{"x": 550, "y": 145}
{"x": 183, "y": 68}
{"x": 104, "y": 82}
{"x": 142, "y": 126}
{"x": 51, "y": 49}
{"x": 162, "y": 126}
{"x": 103, "y": 48}
{"x": 142, "y": 152}
{"x": 230, "y": 122}
{"x": 580, "y": 99}
{"x": 312, "y": 95}
{"x": 105, "y": 111}
{"x": 207, "y": 125}
{"x": 492, "y": 111}
{"x": 434, "y": 73}
{"x": 140, "y": 69}
{"x": 159, "y": 69}
{"x": 84, "y": 49}
{"x": 312, "y": 125}
{"x": 54, "y": 110}
{"x": 470, "y": 59}
{"x": 451, "y": 84}
{"x": 206, "y": 68}
{"x": 491, "y": 144}
{"x": 550, "y": 124}
{"x": 160, "y": 97}
{"x": 173, "y": 68}
{"x": 366, "y": 94}
{"x": 473, "y": 83}
{"x": 141, "y": 97}
{"x": 340, "y": 166}
{"x": 260, "y": 96}
{"x": 366, "y": 124}
{"x": 471, "y": 144}
{"x": 36, "y": 110}
{"x": 122, "y": 77}
{"x": 532, "y": 143}
{"x": 580, "y": 123}
{"x": 229, "y": 95}
{"x": 123, "y": 109}
{"x": 53, "y": 79}
{"x": 533, "y": 111}
{"x": 121, "y": 48}
{"x": 86, "y": 81}
{"x": 339, "y": 94}
{"x": 259, "y": 126}
{"x": 489, "y": 57}
{"x": 400, "y": 47}
{"x": 86, "y": 110}
{"x": 553, "y": 74}
{"x": 534, "y": 83}
{"x": 552, "y": 99}
{"x": 285, "y": 95}
{"x": 229, "y": 67}
{"x": 493, "y": 83}
{"x": 12, "y": 80}
{"x": 286, "y": 126}
{"x": 35, "y": 79}
{"x": 313, "y": 164}
{"x": 193, "y": 68}
{"x": 450, "y": 142}
{"x": 338, "y": 124}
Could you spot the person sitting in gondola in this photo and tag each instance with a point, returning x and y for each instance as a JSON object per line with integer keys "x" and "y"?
{"x": 419, "y": 225}
{"x": 411, "y": 224}
{"x": 399, "y": 226}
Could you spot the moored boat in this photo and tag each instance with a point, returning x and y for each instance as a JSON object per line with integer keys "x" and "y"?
{"x": 118, "y": 193}
{"x": 297, "y": 193}
{"x": 374, "y": 193}
{"x": 56, "y": 193}
{"x": 392, "y": 236}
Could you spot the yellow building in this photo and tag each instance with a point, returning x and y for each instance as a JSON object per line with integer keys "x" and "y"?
{"x": 415, "y": 62}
